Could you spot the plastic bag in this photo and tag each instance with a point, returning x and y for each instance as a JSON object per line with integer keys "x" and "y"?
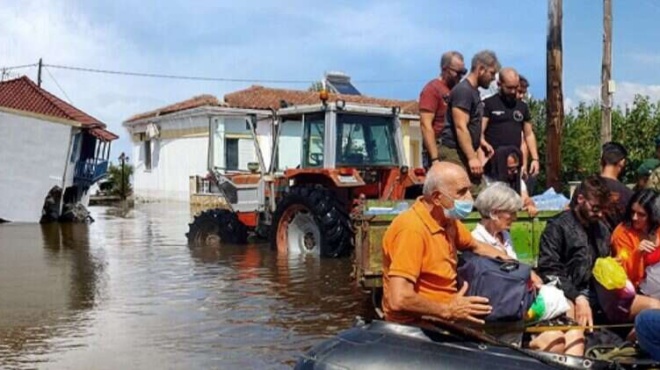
{"x": 609, "y": 273}
{"x": 550, "y": 303}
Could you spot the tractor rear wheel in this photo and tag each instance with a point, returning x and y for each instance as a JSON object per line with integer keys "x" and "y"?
{"x": 216, "y": 225}
{"x": 310, "y": 220}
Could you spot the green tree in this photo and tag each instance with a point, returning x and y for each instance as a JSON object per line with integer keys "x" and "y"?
{"x": 115, "y": 178}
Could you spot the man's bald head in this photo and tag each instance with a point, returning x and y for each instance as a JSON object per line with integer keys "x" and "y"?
{"x": 509, "y": 76}
{"x": 444, "y": 176}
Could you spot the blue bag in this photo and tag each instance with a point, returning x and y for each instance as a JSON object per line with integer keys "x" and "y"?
{"x": 506, "y": 284}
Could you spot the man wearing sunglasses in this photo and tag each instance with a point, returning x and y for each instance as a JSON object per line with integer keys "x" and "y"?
{"x": 461, "y": 136}
{"x": 433, "y": 104}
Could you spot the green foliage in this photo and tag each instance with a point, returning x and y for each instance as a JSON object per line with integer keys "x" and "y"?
{"x": 316, "y": 86}
{"x": 115, "y": 179}
{"x": 635, "y": 127}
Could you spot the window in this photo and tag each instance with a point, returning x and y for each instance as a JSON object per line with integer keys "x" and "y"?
{"x": 231, "y": 154}
{"x": 366, "y": 140}
{"x": 147, "y": 155}
{"x": 313, "y": 141}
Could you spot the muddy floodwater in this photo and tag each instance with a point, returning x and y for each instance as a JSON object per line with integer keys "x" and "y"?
{"x": 127, "y": 293}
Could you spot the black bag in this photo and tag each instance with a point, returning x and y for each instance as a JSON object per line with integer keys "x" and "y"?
{"x": 506, "y": 284}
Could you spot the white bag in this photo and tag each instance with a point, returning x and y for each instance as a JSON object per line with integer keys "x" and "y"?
{"x": 650, "y": 286}
{"x": 554, "y": 300}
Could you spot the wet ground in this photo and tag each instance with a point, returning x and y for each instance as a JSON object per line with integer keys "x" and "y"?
{"x": 127, "y": 293}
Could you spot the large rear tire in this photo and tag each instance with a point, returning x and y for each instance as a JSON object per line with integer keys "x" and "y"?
{"x": 309, "y": 219}
{"x": 215, "y": 226}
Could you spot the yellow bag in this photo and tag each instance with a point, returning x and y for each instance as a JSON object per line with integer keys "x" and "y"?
{"x": 609, "y": 273}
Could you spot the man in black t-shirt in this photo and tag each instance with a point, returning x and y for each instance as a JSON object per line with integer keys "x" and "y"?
{"x": 461, "y": 136}
{"x": 612, "y": 164}
{"x": 506, "y": 117}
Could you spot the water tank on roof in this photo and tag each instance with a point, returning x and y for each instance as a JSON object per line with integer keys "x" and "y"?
{"x": 340, "y": 83}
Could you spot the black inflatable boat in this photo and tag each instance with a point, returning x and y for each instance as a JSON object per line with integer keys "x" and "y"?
{"x": 383, "y": 345}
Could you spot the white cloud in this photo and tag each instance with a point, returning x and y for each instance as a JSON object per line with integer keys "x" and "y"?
{"x": 646, "y": 58}
{"x": 624, "y": 95}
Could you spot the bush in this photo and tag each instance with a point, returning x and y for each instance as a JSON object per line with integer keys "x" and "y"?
{"x": 635, "y": 127}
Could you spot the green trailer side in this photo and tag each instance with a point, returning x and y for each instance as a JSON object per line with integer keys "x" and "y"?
{"x": 525, "y": 233}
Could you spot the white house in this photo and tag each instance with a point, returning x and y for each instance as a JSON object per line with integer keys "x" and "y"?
{"x": 45, "y": 143}
{"x": 171, "y": 143}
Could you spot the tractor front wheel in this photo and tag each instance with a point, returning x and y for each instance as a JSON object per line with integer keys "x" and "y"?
{"x": 216, "y": 225}
{"x": 310, "y": 220}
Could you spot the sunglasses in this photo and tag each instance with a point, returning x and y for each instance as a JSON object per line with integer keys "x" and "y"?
{"x": 459, "y": 72}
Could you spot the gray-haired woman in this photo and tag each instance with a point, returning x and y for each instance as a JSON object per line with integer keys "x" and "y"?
{"x": 498, "y": 204}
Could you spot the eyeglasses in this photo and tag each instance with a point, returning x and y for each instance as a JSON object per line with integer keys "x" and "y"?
{"x": 459, "y": 72}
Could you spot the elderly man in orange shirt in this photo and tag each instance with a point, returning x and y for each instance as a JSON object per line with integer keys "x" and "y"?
{"x": 419, "y": 253}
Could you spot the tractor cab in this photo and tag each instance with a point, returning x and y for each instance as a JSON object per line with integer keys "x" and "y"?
{"x": 340, "y": 135}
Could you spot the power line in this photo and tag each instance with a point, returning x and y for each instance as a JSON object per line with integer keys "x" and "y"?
{"x": 19, "y": 66}
{"x": 200, "y": 78}
{"x": 58, "y": 85}
{"x": 217, "y": 79}
{"x": 175, "y": 77}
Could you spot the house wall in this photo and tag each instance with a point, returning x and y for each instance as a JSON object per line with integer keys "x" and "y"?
{"x": 179, "y": 152}
{"x": 182, "y": 151}
{"x": 412, "y": 142}
{"x": 34, "y": 155}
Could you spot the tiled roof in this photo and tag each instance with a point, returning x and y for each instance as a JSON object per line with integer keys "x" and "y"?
{"x": 24, "y": 95}
{"x": 194, "y": 102}
{"x": 103, "y": 134}
{"x": 259, "y": 97}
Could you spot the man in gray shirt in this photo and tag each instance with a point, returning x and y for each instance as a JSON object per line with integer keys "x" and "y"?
{"x": 461, "y": 136}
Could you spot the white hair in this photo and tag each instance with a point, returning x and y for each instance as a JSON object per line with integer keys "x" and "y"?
{"x": 497, "y": 197}
{"x": 433, "y": 182}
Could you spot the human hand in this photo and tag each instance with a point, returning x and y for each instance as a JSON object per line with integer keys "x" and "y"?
{"x": 476, "y": 167}
{"x": 646, "y": 246}
{"x": 534, "y": 168}
{"x": 536, "y": 280}
{"x": 467, "y": 308}
{"x": 583, "y": 314}
{"x": 487, "y": 148}
{"x": 531, "y": 210}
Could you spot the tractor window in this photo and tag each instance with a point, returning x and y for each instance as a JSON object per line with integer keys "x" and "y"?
{"x": 365, "y": 140}
{"x": 313, "y": 140}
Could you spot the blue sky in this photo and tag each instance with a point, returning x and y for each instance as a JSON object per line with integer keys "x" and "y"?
{"x": 395, "y": 41}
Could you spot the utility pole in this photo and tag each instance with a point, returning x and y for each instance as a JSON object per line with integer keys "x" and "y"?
{"x": 41, "y": 64}
{"x": 122, "y": 159}
{"x": 554, "y": 95}
{"x": 607, "y": 85}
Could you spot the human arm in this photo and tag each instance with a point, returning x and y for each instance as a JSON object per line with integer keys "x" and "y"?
{"x": 406, "y": 253}
{"x": 525, "y": 155}
{"x": 528, "y": 202}
{"x": 428, "y": 135}
{"x": 550, "y": 264}
{"x": 485, "y": 145}
{"x": 404, "y": 298}
{"x": 461, "y": 118}
{"x": 530, "y": 140}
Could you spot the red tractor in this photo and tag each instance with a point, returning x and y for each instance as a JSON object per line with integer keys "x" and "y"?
{"x": 337, "y": 156}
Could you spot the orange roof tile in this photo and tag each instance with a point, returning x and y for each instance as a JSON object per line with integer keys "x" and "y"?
{"x": 259, "y": 97}
{"x": 24, "y": 95}
{"x": 194, "y": 102}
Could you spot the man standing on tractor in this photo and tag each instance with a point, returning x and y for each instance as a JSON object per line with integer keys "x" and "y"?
{"x": 461, "y": 136}
{"x": 433, "y": 103}
{"x": 419, "y": 253}
{"x": 506, "y": 122}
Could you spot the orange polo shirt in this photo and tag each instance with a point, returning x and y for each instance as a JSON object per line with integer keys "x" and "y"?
{"x": 625, "y": 241}
{"x": 422, "y": 250}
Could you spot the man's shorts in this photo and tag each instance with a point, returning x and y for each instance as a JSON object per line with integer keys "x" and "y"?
{"x": 454, "y": 156}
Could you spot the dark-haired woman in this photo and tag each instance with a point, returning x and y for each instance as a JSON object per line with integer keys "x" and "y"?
{"x": 635, "y": 240}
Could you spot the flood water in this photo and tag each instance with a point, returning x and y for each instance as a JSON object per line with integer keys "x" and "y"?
{"x": 127, "y": 293}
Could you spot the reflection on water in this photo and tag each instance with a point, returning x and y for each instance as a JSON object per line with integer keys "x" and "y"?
{"x": 126, "y": 292}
